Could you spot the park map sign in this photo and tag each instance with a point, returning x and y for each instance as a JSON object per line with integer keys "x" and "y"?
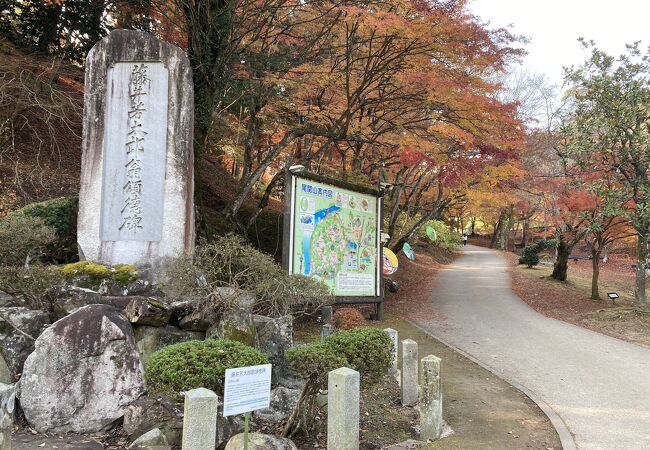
{"x": 333, "y": 236}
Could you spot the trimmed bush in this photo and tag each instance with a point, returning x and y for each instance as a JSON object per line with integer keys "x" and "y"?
{"x": 314, "y": 361}
{"x": 530, "y": 253}
{"x": 367, "y": 349}
{"x": 194, "y": 364}
{"x": 348, "y": 318}
{"x": 22, "y": 236}
{"x": 58, "y": 213}
{"x": 529, "y": 256}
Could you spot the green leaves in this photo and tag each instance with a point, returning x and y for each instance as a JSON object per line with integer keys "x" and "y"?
{"x": 195, "y": 364}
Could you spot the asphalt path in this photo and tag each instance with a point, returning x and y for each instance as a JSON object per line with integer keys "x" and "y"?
{"x": 599, "y": 386}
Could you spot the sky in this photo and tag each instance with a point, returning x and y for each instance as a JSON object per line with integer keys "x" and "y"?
{"x": 554, "y": 26}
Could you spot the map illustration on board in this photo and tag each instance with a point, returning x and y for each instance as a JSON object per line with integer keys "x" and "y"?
{"x": 335, "y": 237}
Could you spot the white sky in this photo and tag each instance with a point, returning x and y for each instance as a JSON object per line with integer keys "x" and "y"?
{"x": 554, "y": 26}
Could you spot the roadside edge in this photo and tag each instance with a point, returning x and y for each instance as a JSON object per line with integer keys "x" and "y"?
{"x": 566, "y": 438}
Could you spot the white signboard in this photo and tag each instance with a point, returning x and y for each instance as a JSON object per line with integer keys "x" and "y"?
{"x": 246, "y": 389}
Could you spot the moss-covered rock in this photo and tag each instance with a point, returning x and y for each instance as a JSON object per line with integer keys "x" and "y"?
{"x": 121, "y": 274}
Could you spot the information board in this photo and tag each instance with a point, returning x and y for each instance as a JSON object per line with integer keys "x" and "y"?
{"x": 334, "y": 237}
{"x": 246, "y": 389}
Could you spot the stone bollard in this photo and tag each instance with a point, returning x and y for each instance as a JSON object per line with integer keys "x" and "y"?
{"x": 325, "y": 331}
{"x": 200, "y": 419}
{"x": 409, "y": 372}
{"x": 343, "y": 409}
{"x": 7, "y": 403}
{"x": 430, "y": 398}
{"x": 393, "y": 337}
{"x": 326, "y": 314}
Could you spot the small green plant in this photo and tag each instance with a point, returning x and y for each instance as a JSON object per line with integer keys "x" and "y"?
{"x": 194, "y": 364}
{"x": 23, "y": 237}
{"x": 368, "y": 350}
{"x": 122, "y": 274}
{"x": 530, "y": 253}
{"x": 529, "y": 256}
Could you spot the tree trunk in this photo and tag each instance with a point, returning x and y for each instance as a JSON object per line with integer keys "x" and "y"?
{"x": 561, "y": 265}
{"x": 641, "y": 256}
{"x": 503, "y": 229}
{"x": 595, "y": 266}
{"x": 525, "y": 233}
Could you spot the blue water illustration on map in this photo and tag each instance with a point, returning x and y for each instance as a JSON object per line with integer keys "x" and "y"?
{"x": 306, "y": 240}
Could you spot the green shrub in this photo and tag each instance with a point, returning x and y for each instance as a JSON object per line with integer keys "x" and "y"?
{"x": 530, "y": 253}
{"x": 314, "y": 361}
{"x": 529, "y": 256}
{"x": 368, "y": 350}
{"x": 122, "y": 274}
{"x": 58, "y": 213}
{"x": 194, "y": 364}
{"x": 22, "y": 236}
{"x": 61, "y": 215}
{"x": 229, "y": 261}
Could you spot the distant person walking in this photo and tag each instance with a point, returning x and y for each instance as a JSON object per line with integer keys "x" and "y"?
{"x": 464, "y": 239}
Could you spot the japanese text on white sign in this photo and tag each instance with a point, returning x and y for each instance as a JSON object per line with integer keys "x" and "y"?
{"x": 246, "y": 389}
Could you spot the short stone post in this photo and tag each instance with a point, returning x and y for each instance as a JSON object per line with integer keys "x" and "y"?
{"x": 343, "y": 409}
{"x": 430, "y": 398}
{"x": 326, "y": 314}
{"x": 200, "y": 419}
{"x": 393, "y": 335}
{"x": 409, "y": 372}
{"x": 325, "y": 331}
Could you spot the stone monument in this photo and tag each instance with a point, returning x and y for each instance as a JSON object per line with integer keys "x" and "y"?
{"x": 137, "y": 170}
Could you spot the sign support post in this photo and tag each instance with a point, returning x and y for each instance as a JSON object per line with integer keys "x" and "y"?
{"x": 247, "y": 416}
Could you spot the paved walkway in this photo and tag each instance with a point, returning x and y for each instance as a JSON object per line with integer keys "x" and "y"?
{"x": 599, "y": 386}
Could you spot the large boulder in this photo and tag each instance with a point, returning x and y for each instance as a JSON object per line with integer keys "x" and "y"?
{"x": 236, "y": 323}
{"x": 84, "y": 372}
{"x": 15, "y": 345}
{"x": 70, "y": 298}
{"x": 151, "y": 339}
{"x": 259, "y": 441}
{"x": 147, "y": 311}
{"x": 282, "y": 403}
{"x": 275, "y": 336}
{"x": 198, "y": 314}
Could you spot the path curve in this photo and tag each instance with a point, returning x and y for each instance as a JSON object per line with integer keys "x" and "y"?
{"x": 598, "y": 385}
